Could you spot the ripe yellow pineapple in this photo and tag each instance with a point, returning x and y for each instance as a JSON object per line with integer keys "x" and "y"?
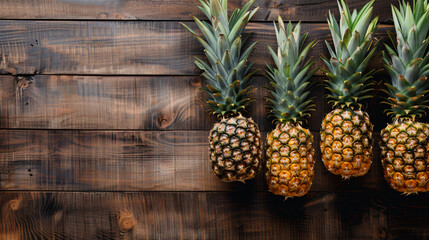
{"x": 404, "y": 143}
{"x": 346, "y": 133}
{"x": 347, "y": 142}
{"x": 290, "y": 151}
{"x": 235, "y": 141}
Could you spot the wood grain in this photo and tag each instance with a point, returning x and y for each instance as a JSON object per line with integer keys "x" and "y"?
{"x": 209, "y": 215}
{"x": 121, "y": 102}
{"x": 143, "y": 103}
{"x": 123, "y": 48}
{"x": 103, "y": 136}
{"x": 295, "y": 10}
{"x": 407, "y": 216}
{"x": 102, "y": 102}
{"x": 132, "y": 161}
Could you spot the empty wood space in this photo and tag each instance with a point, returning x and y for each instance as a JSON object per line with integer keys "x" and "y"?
{"x": 126, "y": 47}
{"x": 104, "y": 132}
{"x": 295, "y": 10}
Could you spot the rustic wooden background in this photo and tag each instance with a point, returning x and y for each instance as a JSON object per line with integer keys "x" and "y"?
{"x": 103, "y": 135}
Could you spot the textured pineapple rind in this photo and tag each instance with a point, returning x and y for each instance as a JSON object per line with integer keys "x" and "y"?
{"x": 405, "y": 156}
{"x": 235, "y": 149}
{"x": 346, "y": 142}
{"x": 290, "y": 160}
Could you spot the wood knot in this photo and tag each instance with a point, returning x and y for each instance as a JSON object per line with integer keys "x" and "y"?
{"x": 103, "y": 15}
{"x": 162, "y": 120}
{"x": 196, "y": 82}
{"x": 126, "y": 221}
{"x": 12, "y": 71}
{"x": 118, "y": 16}
{"x": 14, "y": 204}
{"x": 24, "y": 82}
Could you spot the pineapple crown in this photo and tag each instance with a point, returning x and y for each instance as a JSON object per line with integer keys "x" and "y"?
{"x": 354, "y": 49}
{"x": 408, "y": 64}
{"x": 227, "y": 68}
{"x": 289, "y": 100}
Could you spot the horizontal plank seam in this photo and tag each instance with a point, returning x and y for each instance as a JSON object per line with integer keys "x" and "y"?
{"x": 125, "y": 75}
{"x": 387, "y": 22}
{"x": 379, "y": 75}
{"x": 102, "y": 130}
{"x": 183, "y": 191}
{"x": 123, "y": 130}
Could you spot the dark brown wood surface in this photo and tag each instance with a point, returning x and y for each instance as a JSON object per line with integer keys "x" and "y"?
{"x": 121, "y": 102}
{"x": 124, "y": 47}
{"x": 132, "y": 161}
{"x": 135, "y": 102}
{"x": 294, "y": 10}
{"x": 103, "y": 102}
{"x": 103, "y": 134}
{"x": 243, "y": 214}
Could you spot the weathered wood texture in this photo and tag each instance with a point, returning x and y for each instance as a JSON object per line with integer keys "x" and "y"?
{"x": 103, "y": 135}
{"x": 102, "y": 102}
{"x": 294, "y": 10}
{"x": 123, "y": 48}
{"x": 132, "y": 161}
{"x": 197, "y": 215}
{"x": 124, "y": 102}
{"x": 105, "y": 102}
{"x": 407, "y": 217}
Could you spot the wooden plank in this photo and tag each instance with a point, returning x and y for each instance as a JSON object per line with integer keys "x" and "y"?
{"x": 143, "y": 103}
{"x": 122, "y": 47}
{"x": 102, "y": 102}
{"x": 123, "y": 102}
{"x": 295, "y": 10}
{"x": 133, "y": 161}
{"x": 407, "y": 216}
{"x": 120, "y": 161}
{"x": 194, "y": 215}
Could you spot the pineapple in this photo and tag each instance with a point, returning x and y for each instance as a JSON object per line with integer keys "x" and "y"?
{"x": 404, "y": 143}
{"x": 346, "y": 133}
{"x": 290, "y": 151}
{"x": 235, "y": 141}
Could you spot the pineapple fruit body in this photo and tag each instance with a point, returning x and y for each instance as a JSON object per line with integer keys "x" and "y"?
{"x": 404, "y": 156}
{"x": 290, "y": 160}
{"x": 346, "y": 142}
{"x": 404, "y": 143}
{"x": 346, "y": 133}
{"x": 235, "y": 149}
{"x": 290, "y": 153}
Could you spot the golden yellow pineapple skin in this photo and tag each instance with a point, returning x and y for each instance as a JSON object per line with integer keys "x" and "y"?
{"x": 405, "y": 156}
{"x": 235, "y": 149}
{"x": 290, "y": 160}
{"x": 346, "y": 142}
